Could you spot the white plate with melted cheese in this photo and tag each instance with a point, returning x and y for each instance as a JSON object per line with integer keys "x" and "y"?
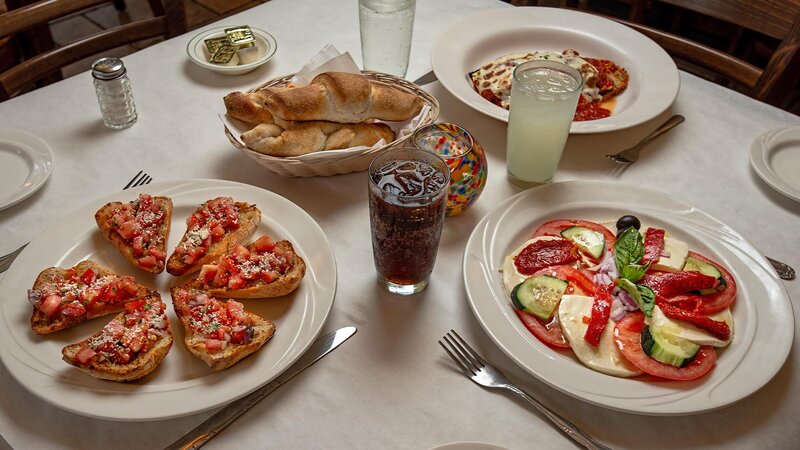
{"x": 485, "y": 36}
{"x": 762, "y": 313}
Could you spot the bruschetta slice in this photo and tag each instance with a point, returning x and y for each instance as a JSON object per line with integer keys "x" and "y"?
{"x": 262, "y": 269}
{"x": 129, "y": 347}
{"x": 63, "y": 298}
{"x": 221, "y": 333}
{"x": 213, "y": 230}
{"x": 138, "y": 229}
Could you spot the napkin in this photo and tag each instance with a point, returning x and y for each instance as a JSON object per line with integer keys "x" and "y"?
{"x": 329, "y": 59}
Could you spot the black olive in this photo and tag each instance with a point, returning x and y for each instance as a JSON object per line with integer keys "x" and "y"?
{"x": 627, "y": 222}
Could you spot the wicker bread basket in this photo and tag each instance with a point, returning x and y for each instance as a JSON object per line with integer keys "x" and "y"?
{"x": 334, "y": 162}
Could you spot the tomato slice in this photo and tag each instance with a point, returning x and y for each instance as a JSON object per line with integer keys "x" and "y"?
{"x": 628, "y": 336}
{"x": 714, "y": 303}
{"x": 555, "y": 227}
{"x": 578, "y": 282}
{"x": 549, "y": 333}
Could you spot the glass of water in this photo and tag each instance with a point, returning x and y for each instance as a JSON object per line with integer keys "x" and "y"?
{"x": 544, "y": 95}
{"x": 386, "y": 28}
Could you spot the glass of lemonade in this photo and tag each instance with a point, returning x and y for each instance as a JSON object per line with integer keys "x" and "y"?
{"x": 407, "y": 196}
{"x": 386, "y": 28}
{"x": 544, "y": 95}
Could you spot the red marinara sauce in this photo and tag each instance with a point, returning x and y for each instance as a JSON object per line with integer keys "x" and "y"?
{"x": 587, "y": 110}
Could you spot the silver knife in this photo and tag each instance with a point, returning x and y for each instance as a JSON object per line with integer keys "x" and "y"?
{"x": 216, "y": 423}
{"x": 429, "y": 77}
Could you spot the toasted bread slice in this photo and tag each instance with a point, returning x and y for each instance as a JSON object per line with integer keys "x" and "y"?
{"x": 263, "y": 269}
{"x": 203, "y": 316}
{"x": 131, "y": 346}
{"x": 79, "y": 295}
{"x": 203, "y": 242}
{"x": 138, "y": 229}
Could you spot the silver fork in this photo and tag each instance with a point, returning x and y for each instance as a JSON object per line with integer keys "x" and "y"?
{"x": 482, "y": 373}
{"x": 631, "y": 155}
{"x": 140, "y": 179}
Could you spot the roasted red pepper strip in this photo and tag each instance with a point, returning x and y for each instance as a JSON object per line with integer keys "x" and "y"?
{"x": 601, "y": 310}
{"x": 653, "y": 245}
{"x": 668, "y": 284}
{"x": 719, "y": 330}
{"x": 543, "y": 254}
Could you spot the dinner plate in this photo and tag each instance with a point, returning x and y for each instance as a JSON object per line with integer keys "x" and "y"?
{"x": 775, "y": 156}
{"x": 182, "y": 384}
{"x": 763, "y": 318}
{"x": 25, "y": 164}
{"x": 480, "y": 38}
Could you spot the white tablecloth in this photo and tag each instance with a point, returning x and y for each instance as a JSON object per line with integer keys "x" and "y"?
{"x": 391, "y": 386}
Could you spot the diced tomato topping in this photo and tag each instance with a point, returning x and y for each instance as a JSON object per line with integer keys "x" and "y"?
{"x": 130, "y": 229}
{"x": 159, "y": 255}
{"x": 268, "y": 276}
{"x": 138, "y": 245}
{"x": 85, "y": 355}
{"x": 129, "y": 286}
{"x": 217, "y": 230}
{"x": 628, "y": 337}
{"x": 653, "y": 245}
{"x": 148, "y": 261}
{"x": 50, "y": 304}
{"x": 235, "y": 311}
{"x": 88, "y": 276}
{"x": 720, "y": 330}
{"x": 601, "y": 310}
{"x": 136, "y": 343}
{"x": 668, "y": 284}
{"x": 214, "y": 345}
{"x": 73, "y": 309}
{"x": 241, "y": 253}
{"x": 236, "y": 282}
{"x": 207, "y": 273}
{"x": 264, "y": 244}
{"x": 541, "y": 254}
{"x": 135, "y": 305}
{"x": 193, "y": 254}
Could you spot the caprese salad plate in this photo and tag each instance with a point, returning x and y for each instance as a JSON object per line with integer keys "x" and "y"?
{"x": 659, "y": 308}
{"x": 182, "y": 384}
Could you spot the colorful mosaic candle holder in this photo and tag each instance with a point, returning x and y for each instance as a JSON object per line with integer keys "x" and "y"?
{"x": 465, "y": 158}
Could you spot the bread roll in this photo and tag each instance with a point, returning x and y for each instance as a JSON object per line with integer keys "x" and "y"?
{"x": 248, "y": 107}
{"x": 300, "y": 138}
{"x": 342, "y": 97}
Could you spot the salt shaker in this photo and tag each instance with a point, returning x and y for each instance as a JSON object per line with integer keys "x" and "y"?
{"x": 114, "y": 93}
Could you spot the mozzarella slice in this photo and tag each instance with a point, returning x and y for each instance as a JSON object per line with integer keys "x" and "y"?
{"x": 678, "y": 252}
{"x": 511, "y": 276}
{"x": 685, "y": 330}
{"x": 606, "y": 357}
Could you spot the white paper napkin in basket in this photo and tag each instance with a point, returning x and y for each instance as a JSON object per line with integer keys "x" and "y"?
{"x": 329, "y": 59}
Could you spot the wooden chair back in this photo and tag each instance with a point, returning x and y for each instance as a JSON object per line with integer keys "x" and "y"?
{"x": 169, "y": 20}
{"x": 779, "y": 19}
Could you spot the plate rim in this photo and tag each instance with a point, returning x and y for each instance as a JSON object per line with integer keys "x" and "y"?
{"x": 480, "y": 309}
{"x": 759, "y": 152}
{"x": 532, "y": 14}
{"x": 44, "y": 154}
{"x": 324, "y": 296}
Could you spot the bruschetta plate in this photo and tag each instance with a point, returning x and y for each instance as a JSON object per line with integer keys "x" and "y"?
{"x": 182, "y": 384}
{"x": 762, "y": 314}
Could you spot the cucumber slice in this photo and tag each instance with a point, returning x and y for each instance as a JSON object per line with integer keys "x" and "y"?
{"x": 589, "y": 241}
{"x": 666, "y": 348}
{"x": 539, "y": 295}
{"x": 696, "y": 265}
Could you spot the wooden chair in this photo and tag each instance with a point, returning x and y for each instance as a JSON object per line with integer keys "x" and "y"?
{"x": 169, "y": 21}
{"x": 779, "y": 19}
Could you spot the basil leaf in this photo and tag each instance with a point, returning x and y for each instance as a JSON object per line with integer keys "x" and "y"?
{"x": 648, "y": 299}
{"x": 632, "y": 272}
{"x": 642, "y": 295}
{"x": 629, "y": 248}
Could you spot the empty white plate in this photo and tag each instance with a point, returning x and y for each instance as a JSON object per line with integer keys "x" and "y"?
{"x": 25, "y": 164}
{"x": 775, "y": 156}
